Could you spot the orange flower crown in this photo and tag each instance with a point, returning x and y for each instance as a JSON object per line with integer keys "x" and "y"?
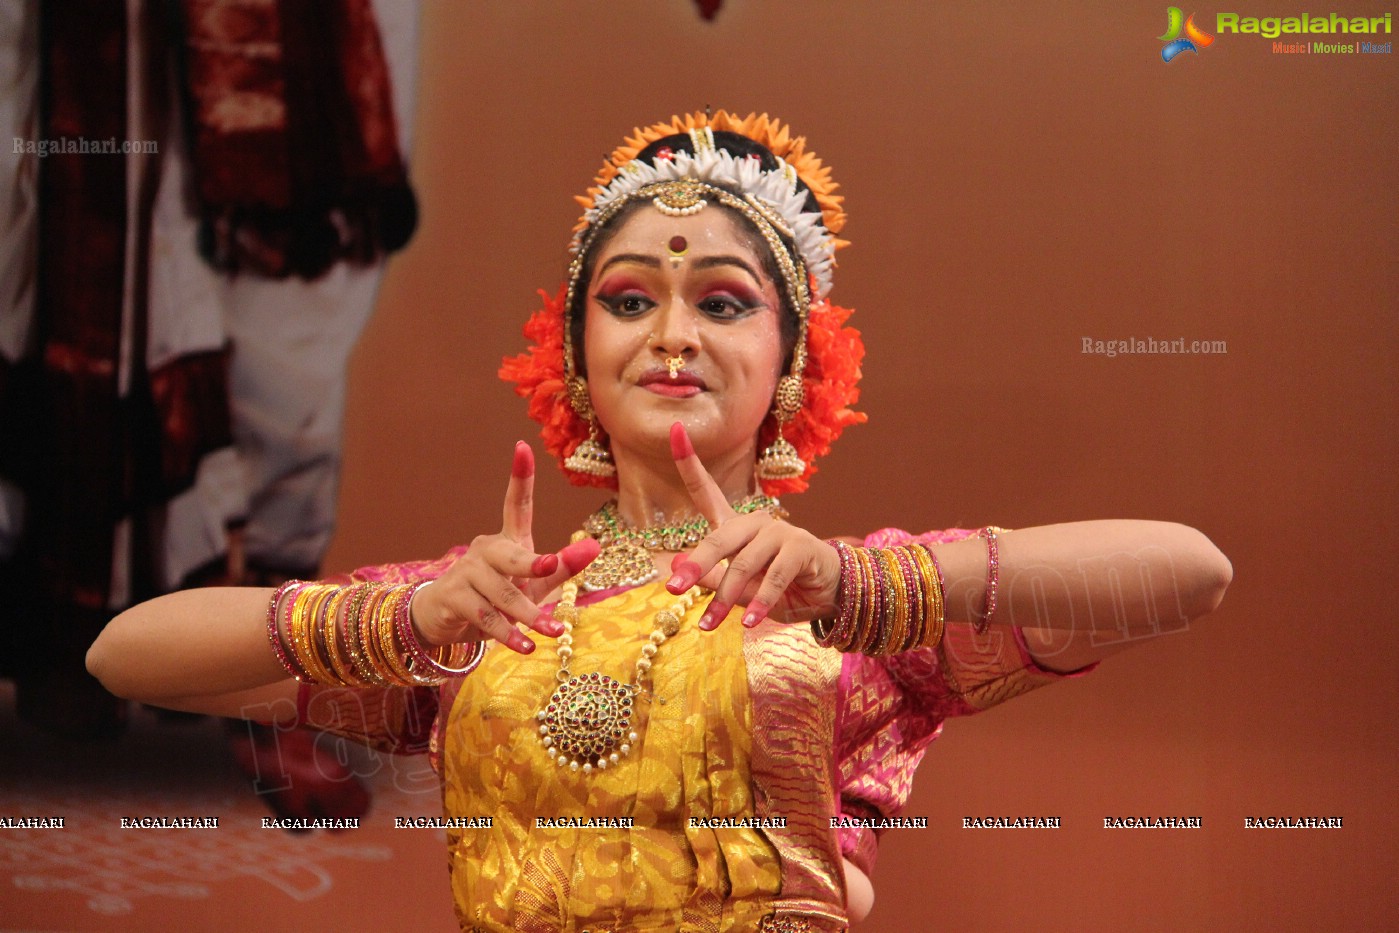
{"x": 834, "y": 351}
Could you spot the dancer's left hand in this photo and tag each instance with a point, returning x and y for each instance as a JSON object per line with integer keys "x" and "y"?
{"x": 775, "y": 569}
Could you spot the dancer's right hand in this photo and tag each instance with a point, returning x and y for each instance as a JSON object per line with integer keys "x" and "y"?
{"x": 500, "y": 579}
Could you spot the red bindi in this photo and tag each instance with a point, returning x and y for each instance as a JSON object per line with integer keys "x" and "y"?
{"x": 678, "y": 244}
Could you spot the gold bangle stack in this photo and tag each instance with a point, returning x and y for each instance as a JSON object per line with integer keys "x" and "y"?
{"x": 359, "y": 635}
{"x": 889, "y": 599}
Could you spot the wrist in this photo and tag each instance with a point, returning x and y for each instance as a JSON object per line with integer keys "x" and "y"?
{"x": 418, "y": 612}
{"x": 360, "y": 635}
{"x": 888, "y": 600}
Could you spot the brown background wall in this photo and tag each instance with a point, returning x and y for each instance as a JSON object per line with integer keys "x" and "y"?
{"x": 1019, "y": 177}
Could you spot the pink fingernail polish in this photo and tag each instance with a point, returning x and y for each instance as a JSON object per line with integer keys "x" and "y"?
{"x": 676, "y": 584}
{"x": 544, "y": 565}
{"x": 680, "y": 446}
{"x": 715, "y": 614}
{"x": 579, "y": 555}
{"x": 687, "y": 572}
{"x": 521, "y": 644}
{"x": 756, "y": 613}
{"x": 523, "y": 464}
{"x": 706, "y": 622}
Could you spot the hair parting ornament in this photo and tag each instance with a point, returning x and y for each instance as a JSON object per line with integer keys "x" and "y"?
{"x": 813, "y": 399}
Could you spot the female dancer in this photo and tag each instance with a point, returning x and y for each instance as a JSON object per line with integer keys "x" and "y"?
{"x": 719, "y": 711}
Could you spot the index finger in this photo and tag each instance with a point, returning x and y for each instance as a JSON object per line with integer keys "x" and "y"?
{"x": 704, "y": 492}
{"x": 519, "y": 497}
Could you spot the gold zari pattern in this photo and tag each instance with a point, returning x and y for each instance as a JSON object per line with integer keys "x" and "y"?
{"x": 693, "y": 760}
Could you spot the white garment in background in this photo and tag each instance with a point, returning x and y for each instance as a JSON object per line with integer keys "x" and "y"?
{"x": 290, "y": 339}
{"x": 291, "y": 343}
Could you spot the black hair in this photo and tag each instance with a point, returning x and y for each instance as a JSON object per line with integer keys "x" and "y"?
{"x": 736, "y": 145}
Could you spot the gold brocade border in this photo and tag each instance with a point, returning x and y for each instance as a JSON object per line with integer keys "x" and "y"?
{"x": 792, "y": 683}
{"x": 986, "y": 668}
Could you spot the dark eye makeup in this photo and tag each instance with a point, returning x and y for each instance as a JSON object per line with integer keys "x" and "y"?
{"x": 628, "y": 303}
{"x": 728, "y": 307}
{"x": 625, "y": 297}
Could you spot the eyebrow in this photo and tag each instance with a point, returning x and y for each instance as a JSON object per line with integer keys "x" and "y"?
{"x": 705, "y": 262}
{"x": 711, "y": 262}
{"x": 638, "y": 258}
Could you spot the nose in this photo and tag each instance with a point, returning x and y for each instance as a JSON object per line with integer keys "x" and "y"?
{"x": 677, "y": 330}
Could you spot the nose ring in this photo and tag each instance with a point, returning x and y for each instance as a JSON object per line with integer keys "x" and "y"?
{"x": 673, "y": 364}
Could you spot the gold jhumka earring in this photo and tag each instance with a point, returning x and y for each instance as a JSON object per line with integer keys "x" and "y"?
{"x": 781, "y": 460}
{"x": 590, "y": 456}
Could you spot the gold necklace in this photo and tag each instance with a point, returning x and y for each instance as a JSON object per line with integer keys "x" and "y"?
{"x": 625, "y": 559}
{"x": 586, "y": 724}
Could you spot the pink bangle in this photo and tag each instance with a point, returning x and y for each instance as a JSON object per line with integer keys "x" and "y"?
{"x": 993, "y": 575}
{"x": 274, "y": 632}
{"x": 419, "y": 657}
{"x": 837, "y": 631}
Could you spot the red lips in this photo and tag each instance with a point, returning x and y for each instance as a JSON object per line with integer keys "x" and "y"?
{"x": 662, "y": 376}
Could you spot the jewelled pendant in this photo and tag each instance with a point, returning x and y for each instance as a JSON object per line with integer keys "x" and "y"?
{"x": 587, "y": 723}
{"x": 621, "y": 563}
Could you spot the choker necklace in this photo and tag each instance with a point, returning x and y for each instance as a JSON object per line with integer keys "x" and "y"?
{"x": 625, "y": 559}
{"x": 586, "y": 725}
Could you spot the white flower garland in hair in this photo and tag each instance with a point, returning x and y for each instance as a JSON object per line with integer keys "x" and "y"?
{"x": 776, "y": 189}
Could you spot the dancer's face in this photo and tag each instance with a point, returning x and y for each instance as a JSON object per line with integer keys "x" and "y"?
{"x": 690, "y": 287}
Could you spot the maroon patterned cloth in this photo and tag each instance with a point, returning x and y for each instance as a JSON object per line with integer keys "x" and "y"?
{"x": 293, "y": 138}
{"x": 90, "y": 434}
{"x": 296, "y": 167}
{"x": 77, "y": 490}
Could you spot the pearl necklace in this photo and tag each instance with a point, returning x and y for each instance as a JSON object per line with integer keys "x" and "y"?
{"x": 586, "y": 724}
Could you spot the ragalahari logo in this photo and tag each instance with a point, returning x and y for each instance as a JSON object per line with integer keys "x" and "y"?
{"x": 1193, "y": 41}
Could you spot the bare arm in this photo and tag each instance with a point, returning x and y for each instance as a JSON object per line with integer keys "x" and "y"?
{"x": 1085, "y": 590}
{"x": 201, "y": 642}
{"x": 1079, "y": 591}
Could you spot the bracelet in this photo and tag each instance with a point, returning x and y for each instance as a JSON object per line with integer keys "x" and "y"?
{"x": 838, "y": 630}
{"x": 274, "y": 632}
{"x": 305, "y": 607}
{"x": 351, "y": 636}
{"x": 451, "y": 665}
{"x": 931, "y": 572}
{"x": 993, "y": 575}
{"x": 329, "y": 631}
{"x": 385, "y": 630}
{"x": 366, "y": 625}
{"x": 888, "y": 600}
{"x": 359, "y": 635}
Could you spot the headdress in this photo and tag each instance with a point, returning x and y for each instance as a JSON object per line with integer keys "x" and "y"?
{"x": 813, "y": 399}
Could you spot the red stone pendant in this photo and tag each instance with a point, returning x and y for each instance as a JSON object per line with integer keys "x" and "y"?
{"x": 586, "y": 724}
